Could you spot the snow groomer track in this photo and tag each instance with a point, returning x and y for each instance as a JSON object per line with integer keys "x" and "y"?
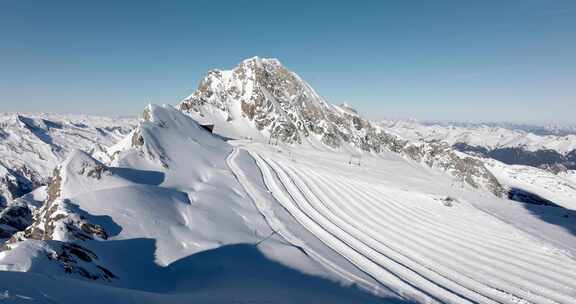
{"x": 421, "y": 246}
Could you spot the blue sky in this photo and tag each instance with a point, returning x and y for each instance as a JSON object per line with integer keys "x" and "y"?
{"x": 442, "y": 60}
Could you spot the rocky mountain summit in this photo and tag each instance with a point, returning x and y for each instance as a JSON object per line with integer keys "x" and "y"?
{"x": 262, "y": 100}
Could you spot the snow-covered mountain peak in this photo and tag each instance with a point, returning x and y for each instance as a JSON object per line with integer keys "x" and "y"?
{"x": 158, "y": 135}
{"x": 256, "y": 60}
{"x": 258, "y": 94}
{"x": 79, "y": 173}
{"x": 263, "y": 101}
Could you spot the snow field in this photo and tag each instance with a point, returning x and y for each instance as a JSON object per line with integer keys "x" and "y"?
{"x": 418, "y": 246}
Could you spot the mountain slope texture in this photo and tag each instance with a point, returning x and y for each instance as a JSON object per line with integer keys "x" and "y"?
{"x": 254, "y": 189}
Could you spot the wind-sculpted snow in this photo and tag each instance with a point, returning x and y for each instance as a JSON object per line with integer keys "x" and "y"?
{"x": 262, "y": 100}
{"x": 165, "y": 220}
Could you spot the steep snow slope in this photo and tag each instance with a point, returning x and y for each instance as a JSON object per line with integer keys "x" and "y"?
{"x": 168, "y": 222}
{"x": 31, "y": 145}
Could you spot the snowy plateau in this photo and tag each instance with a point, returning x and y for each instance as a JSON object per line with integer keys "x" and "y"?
{"x": 255, "y": 189}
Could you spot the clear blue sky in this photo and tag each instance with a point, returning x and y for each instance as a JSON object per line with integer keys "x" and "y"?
{"x": 446, "y": 60}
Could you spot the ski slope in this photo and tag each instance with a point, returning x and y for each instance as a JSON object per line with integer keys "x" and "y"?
{"x": 408, "y": 237}
{"x": 192, "y": 218}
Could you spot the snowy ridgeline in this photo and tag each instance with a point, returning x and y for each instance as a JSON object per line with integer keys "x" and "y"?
{"x": 175, "y": 214}
{"x": 263, "y": 101}
{"x": 487, "y": 135}
{"x": 310, "y": 203}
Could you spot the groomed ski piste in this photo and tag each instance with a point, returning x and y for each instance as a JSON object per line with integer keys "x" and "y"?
{"x": 413, "y": 232}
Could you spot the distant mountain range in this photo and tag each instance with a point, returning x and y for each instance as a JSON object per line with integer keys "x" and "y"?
{"x": 507, "y": 144}
{"x": 542, "y": 129}
{"x": 33, "y": 144}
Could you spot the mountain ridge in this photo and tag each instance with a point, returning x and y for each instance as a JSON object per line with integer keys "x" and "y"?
{"x": 275, "y": 104}
{"x": 174, "y": 212}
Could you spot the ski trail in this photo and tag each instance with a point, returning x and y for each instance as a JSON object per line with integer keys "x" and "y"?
{"x": 404, "y": 243}
{"x": 428, "y": 253}
{"x": 555, "y": 274}
{"x": 433, "y": 283}
{"x": 261, "y": 203}
{"x": 402, "y": 287}
{"x": 455, "y": 281}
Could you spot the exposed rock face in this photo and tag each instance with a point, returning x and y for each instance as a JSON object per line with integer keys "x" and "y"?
{"x": 281, "y": 106}
{"x": 61, "y": 223}
{"x": 262, "y": 91}
{"x": 57, "y": 219}
{"x": 147, "y": 148}
{"x": 467, "y": 169}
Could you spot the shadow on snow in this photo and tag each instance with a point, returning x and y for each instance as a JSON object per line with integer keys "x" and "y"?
{"x": 239, "y": 272}
{"x": 545, "y": 209}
